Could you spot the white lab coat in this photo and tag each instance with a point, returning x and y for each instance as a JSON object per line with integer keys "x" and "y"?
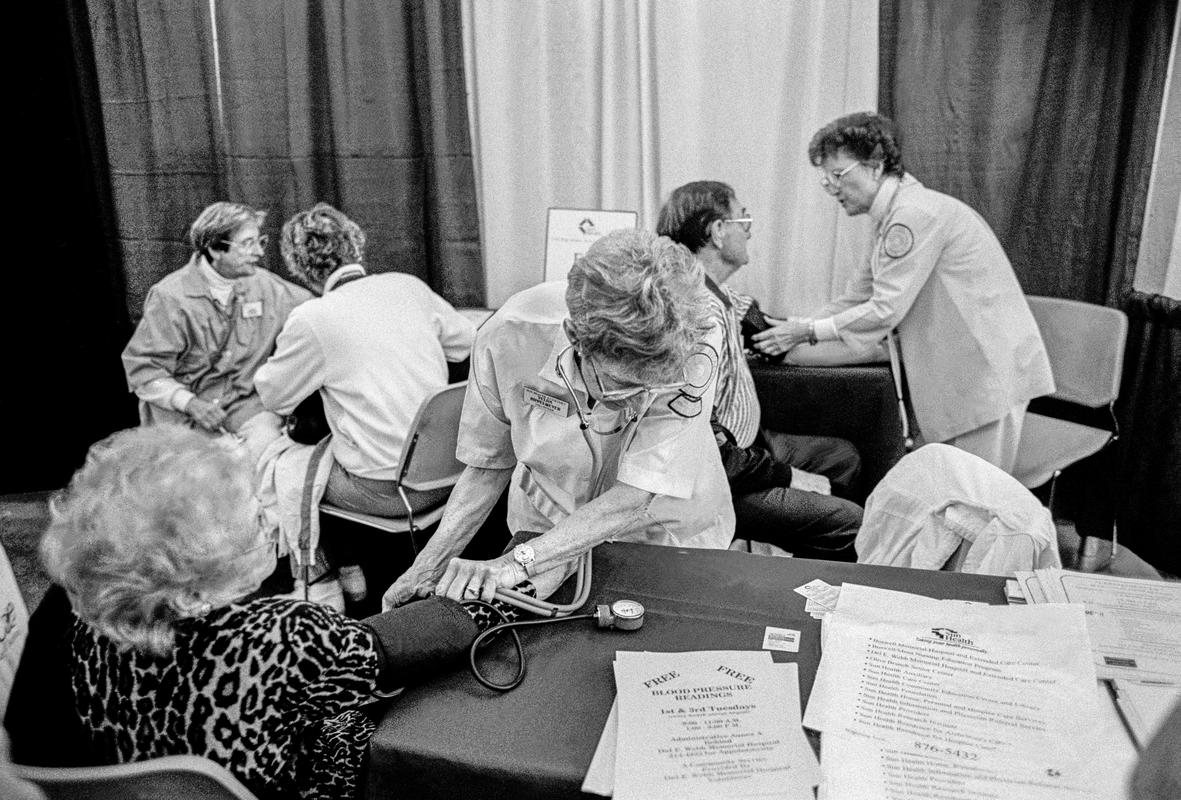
{"x": 940, "y": 497}
{"x": 970, "y": 346}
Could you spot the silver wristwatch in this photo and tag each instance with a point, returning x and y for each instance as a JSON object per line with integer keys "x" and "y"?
{"x": 523, "y": 555}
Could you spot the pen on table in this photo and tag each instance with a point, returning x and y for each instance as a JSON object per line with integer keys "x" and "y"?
{"x": 1123, "y": 711}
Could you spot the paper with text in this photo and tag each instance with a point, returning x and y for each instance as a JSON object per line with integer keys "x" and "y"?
{"x": 706, "y": 724}
{"x": 941, "y": 682}
{"x": 1134, "y": 625}
{"x": 600, "y": 775}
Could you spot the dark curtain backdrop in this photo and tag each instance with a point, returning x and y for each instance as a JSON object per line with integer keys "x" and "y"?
{"x": 119, "y": 146}
{"x": 358, "y": 104}
{"x": 66, "y": 319}
{"x": 1043, "y": 117}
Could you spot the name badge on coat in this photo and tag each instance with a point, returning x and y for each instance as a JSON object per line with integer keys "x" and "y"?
{"x": 546, "y": 402}
{"x": 252, "y": 309}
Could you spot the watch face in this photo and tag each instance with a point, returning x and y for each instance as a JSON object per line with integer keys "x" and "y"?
{"x": 627, "y": 609}
{"x": 523, "y": 554}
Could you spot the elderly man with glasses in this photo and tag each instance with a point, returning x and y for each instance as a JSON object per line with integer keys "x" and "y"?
{"x": 773, "y": 475}
{"x": 591, "y": 401}
{"x": 207, "y": 327}
{"x": 939, "y": 278}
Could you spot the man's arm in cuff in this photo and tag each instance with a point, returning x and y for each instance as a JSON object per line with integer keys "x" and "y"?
{"x": 419, "y": 638}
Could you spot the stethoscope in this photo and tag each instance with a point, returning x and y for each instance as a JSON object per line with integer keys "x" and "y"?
{"x": 624, "y": 615}
{"x": 582, "y": 570}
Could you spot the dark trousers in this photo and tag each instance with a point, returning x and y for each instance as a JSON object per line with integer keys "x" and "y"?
{"x": 806, "y": 524}
{"x": 835, "y": 459}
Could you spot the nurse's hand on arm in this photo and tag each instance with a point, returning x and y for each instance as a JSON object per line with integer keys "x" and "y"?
{"x": 784, "y": 336}
{"x": 471, "y": 500}
{"x": 607, "y": 516}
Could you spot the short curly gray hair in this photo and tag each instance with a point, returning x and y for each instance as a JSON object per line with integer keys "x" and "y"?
{"x": 160, "y": 519}
{"x": 316, "y": 242}
{"x": 637, "y": 300}
{"x": 218, "y": 222}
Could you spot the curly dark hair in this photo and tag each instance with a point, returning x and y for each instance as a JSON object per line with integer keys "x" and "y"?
{"x": 316, "y": 242}
{"x": 691, "y": 209}
{"x": 865, "y": 135}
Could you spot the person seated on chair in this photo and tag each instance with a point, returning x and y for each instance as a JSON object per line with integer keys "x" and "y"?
{"x": 208, "y": 326}
{"x": 374, "y": 347}
{"x": 157, "y": 542}
{"x": 591, "y": 401}
{"x": 769, "y": 471}
{"x": 973, "y": 355}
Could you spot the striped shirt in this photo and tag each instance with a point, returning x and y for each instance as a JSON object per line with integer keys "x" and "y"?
{"x": 736, "y": 404}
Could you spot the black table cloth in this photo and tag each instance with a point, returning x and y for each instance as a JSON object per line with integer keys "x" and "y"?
{"x": 452, "y": 738}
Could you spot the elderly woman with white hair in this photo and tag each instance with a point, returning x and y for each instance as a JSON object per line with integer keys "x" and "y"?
{"x": 374, "y": 346}
{"x": 591, "y": 400}
{"x": 156, "y": 542}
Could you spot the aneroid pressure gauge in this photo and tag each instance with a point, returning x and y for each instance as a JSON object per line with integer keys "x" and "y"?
{"x": 624, "y": 615}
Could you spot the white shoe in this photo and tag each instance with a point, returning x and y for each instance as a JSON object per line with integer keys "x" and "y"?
{"x": 326, "y": 592}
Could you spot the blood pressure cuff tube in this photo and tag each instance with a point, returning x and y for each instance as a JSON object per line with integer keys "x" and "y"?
{"x": 417, "y": 639}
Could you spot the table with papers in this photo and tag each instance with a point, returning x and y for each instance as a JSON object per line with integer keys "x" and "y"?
{"x": 939, "y": 698}
{"x": 454, "y": 738}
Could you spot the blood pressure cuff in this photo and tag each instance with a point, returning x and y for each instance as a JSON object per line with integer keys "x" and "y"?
{"x": 418, "y": 639}
{"x": 755, "y": 322}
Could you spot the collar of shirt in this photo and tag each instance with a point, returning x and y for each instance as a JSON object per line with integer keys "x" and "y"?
{"x": 340, "y": 274}
{"x": 220, "y": 288}
{"x": 883, "y": 200}
{"x": 885, "y": 197}
{"x": 717, "y": 291}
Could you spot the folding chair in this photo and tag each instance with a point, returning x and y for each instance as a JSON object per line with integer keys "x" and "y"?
{"x": 1085, "y": 343}
{"x": 164, "y": 778}
{"x": 427, "y": 462}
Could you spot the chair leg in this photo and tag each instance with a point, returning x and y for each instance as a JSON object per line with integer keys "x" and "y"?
{"x": 307, "y": 574}
{"x": 409, "y": 518}
{"x": 1053, "y": 489}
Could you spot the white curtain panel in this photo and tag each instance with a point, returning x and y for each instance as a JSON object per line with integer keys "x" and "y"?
{"x": 1158, "y": 265}
{"x": 614, "y": 103}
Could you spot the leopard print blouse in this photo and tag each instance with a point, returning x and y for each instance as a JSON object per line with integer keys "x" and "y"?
{"x": 271, "y": 690}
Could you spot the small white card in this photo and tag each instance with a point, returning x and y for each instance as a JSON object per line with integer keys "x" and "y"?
{"x": 820, "y": 592}
{"x": 252, "y": 309}
{"x": 784, "y": 639}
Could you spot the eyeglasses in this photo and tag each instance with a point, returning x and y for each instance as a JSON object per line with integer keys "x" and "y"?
{"x": 832, "y": 183}
{"x": 745, "y": 222}
{"x": 248, "y": 244}
{"x": 698, "y": 371}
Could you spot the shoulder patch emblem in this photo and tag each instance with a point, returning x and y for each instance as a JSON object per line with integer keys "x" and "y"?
{"x": 898, "y": 240}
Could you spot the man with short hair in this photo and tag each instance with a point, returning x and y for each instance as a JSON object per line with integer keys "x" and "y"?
{"x": 208, "y": 326}
{"x": 769, "y": 472}
{"x": 590, "y": 400}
